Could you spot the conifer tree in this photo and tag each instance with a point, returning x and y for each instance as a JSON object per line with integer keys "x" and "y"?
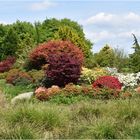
{"x": 135, "y": 57}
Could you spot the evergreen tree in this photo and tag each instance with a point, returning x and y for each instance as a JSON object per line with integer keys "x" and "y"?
{"x": 105, "y": 57}
{"x": 3, "y": 32}
{"x": 37, "y": 24}
{"x": 135, "y": 57}
{"x": 10, "y": 42}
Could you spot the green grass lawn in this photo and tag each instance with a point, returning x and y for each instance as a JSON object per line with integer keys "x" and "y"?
{"x": 85, "y": 119}
{"x": 80, "y": 118}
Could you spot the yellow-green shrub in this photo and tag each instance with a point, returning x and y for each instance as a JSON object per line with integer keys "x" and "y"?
{"x": 3, "y": 75}
{"x": 90, "y": 75}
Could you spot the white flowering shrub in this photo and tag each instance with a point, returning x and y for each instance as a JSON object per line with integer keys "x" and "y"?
{"x": 129, "y": 80}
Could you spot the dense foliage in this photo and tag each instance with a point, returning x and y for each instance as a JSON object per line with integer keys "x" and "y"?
{"x": 17, "y": 77}
{"x": 129, "y": 80}
{"x": 90, "y": 75}
{"x": 19, "y": 38}
{"x": 68, "y": 33}
{"x": 107, "y": 82}
{"x": 6, "y": 64}
{"x": 61, "y": 69}
{"x": 15, "y": 38}
{"x": 64, "y": 61}
{"x": 135, "y": 57}
{"x": 105, "y": 57}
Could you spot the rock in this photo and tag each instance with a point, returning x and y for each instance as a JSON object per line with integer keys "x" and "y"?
{"x": 23, "y": 96}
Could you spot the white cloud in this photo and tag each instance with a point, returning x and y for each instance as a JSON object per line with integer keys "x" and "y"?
{"x": 99, "y": 36}
{"x": 42, "y": 5}
{"x": 132, "y": 17}
{"x": 114, "y": 38}
{"x": 113, "y": 29}
{"x": 115, "y": 20}
{"x": 100, "y": 17}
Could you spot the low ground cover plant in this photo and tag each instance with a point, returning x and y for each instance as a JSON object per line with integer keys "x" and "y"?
{"x": 87, "y": 91}
{"x": 17, "y": 77}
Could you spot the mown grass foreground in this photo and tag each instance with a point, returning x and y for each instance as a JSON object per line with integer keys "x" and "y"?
{"x": 98, "y": 119}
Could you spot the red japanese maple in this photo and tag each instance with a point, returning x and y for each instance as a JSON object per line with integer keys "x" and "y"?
{"x": 107, "y": 82}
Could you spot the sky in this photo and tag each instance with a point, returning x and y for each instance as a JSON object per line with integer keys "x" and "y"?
{"x": 104, "y": 21}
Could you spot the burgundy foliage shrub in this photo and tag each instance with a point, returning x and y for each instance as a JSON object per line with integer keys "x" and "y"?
{"x": 107, "y": 82}
{"x": 64, "y": 61}
{"x": 38, "y": 57}
{"x": 6, "y": 64}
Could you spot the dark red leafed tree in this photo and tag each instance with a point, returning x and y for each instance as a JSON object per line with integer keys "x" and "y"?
{"x": 64, "y": 61}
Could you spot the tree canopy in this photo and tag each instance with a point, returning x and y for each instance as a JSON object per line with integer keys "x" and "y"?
{"x": 18, "y": 38}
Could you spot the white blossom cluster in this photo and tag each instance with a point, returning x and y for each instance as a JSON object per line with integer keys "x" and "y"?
{"x": 128, "y": 80}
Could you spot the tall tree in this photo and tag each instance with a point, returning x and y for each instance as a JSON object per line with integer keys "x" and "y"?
{"x": 135, "y": 57}
{"x": 3, "y": 32}
{"x": 10, "y": 43}
{"x": 69, "y": 33}
{"x": 37, "y": 24}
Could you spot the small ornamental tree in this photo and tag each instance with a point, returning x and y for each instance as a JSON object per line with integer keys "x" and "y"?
{"x": 64, "y": 61}
{"x": 107, "y": 82}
